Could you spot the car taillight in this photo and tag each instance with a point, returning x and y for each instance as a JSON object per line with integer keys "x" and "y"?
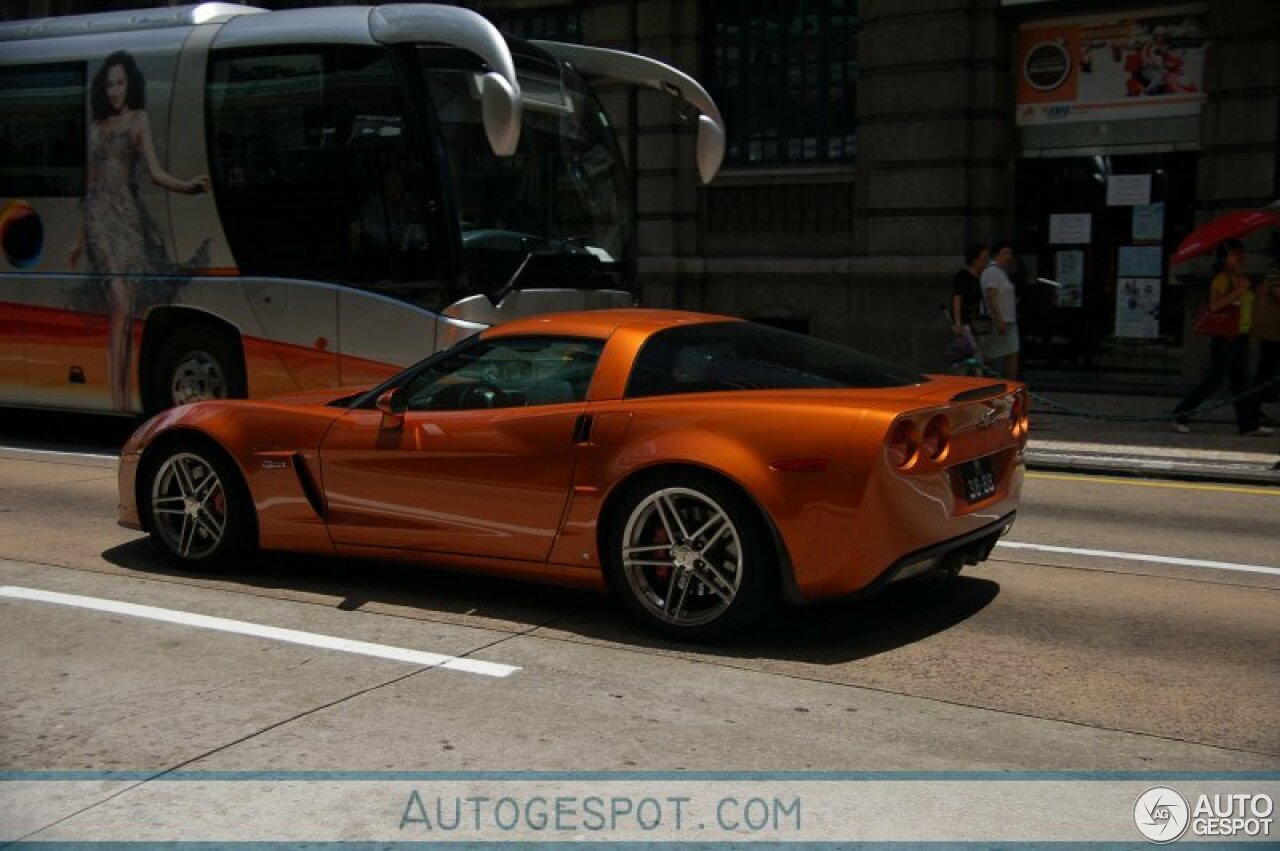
{"x": 904, "y": 444}
{"x": 937, "y": 438}
{"x": 1019, "y": 421}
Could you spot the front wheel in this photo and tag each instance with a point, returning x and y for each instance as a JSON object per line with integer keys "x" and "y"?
{"x": 690, "y": 557}
{"x": 198, "y": 508}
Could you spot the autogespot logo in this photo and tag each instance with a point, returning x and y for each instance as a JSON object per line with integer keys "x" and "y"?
{"x": 1161, "y": 814}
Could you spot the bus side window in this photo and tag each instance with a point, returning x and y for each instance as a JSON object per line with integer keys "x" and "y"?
{"x": 42, "y": 130}
{"x": 315, "y": 171}
{"x": 267, "y": 164}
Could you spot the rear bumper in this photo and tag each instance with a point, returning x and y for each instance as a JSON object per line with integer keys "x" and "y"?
{"x": 950, "y": 555}
{"x": 900, "y": 523}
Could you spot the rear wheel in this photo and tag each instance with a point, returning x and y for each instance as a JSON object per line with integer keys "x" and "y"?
{"x": 198, "y": 507}
{"x": 197, "y": 363}
{"x": 689, "y": 556}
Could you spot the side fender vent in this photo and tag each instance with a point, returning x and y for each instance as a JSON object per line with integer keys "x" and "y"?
{"x": 309, "y": 488}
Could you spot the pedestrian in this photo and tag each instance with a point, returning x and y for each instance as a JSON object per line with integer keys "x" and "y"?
{"x": 1000, "y": 298}
{"x": 968, "y": 318}
{"x": 1266, "y": 330}
{"x": 1228, "y": 355}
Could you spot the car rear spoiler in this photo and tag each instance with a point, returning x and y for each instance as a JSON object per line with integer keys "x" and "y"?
{"x": 617, "y": 66}
{"x": 983, "y": 392}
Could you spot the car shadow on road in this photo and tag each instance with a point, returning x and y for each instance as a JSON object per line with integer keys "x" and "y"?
{"x": 831, "y": 633}
{"x": 458, "y": 598}
{"x": 824, "y": 634}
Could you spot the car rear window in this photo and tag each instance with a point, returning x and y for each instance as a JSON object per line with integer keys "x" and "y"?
{"x": 722, "y": 356}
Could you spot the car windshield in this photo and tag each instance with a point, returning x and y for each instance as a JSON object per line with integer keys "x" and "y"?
{"x": 562, "y": 195}
{"x": 721, "y": 356}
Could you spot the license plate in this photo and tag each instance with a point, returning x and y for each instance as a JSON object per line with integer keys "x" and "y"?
{"x": 979, "y": 479}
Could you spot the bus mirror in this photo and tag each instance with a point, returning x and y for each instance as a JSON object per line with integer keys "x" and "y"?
{"x": 500, "y": 106}
{"x": 710, "y": 148}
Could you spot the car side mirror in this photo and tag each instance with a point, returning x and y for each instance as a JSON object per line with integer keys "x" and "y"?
{"x": 393, "y": 403}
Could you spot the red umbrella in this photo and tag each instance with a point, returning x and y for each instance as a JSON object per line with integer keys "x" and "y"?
{"x": 1205, "y": 238}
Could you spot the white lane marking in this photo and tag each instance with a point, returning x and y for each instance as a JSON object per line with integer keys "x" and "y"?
{"x": 1154, "y": 559}
{"x": 290, "y": 636}
{"x": 57, "y": 453}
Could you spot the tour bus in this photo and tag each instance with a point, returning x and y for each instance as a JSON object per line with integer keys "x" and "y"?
{"x": 218, "y": 201}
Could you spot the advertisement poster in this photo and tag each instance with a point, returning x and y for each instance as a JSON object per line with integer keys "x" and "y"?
{"x": 1070, "y": 277}
{"x": 1138, "y": 308}
{"x": 1148, "y": 222}
{"x": 1112, "y": 68}
{"x": 1070, "y": 228}
{"x": 1128, "y": 190}
{"x": 1140, "y": 261}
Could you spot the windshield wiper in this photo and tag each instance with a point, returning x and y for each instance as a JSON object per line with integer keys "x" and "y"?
{"x": 496, "y": 297}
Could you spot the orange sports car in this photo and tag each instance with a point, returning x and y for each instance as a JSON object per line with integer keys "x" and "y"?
{"x": 700, "y": 467}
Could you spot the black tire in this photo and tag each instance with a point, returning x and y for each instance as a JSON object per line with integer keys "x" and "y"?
{"x": 675, "y": 596}
{"x": 197, "y": 506}
{"x": 197, "y": 362}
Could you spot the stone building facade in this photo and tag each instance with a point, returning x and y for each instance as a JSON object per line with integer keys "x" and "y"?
{"x": 860, "y": 248}
{"x": 863, "y": 250}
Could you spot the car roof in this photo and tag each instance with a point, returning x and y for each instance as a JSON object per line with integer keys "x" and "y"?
{"x": 602, "y": 324}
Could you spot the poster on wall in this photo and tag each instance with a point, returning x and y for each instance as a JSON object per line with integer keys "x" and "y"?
{"x": 1148, "y": 222}
{"x": 1140, "y": 261}
{"x": 1115, "y": 67}
{"x": 1138, "y": 308}
{"x": 1070, "y": 277}
{"x": 1070, "y": 228}
{"x": 1128, "y": 190}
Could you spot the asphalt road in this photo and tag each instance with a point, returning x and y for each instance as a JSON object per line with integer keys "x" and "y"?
{"x": 1084, "y": 649}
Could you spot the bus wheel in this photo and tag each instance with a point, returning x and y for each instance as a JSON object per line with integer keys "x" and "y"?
{"x": 197, "y": 363}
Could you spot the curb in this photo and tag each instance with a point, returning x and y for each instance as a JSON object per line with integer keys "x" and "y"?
{"x": 1129, "y": 466}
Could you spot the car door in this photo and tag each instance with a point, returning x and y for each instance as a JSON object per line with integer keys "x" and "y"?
{"x": 481, "y": 463}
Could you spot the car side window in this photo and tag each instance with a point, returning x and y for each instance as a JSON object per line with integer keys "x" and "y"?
{"x": 507, "y": 373}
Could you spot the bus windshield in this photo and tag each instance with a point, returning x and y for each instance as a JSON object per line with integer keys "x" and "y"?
{"x": 556, "y": 213}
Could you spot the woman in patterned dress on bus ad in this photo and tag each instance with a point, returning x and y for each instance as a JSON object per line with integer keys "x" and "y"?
{"x": 119, "y": 237}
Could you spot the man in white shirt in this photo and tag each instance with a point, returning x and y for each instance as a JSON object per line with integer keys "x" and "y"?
{"x": 1001, "y": 347}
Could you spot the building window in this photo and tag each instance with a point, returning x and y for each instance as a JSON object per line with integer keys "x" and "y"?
{"x": 784, "y": 72}
{"x": 557, "y": 23}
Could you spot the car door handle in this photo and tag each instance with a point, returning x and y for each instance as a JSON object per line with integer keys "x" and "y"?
{"x": 582, "y": 428}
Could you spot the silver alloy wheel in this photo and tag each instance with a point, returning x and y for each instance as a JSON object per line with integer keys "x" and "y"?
{"x": 197, "y": 376}
{"x": 682, "y": 556}
{"x": 188, "y": 506}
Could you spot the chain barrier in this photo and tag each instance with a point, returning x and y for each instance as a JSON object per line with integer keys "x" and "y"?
{"x": 975, "y": 367}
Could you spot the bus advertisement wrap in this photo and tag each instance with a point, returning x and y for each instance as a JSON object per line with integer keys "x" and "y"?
{"x": 200, "y": 205}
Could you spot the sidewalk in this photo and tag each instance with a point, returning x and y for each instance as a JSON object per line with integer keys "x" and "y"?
{"x": 1212, "y": 452}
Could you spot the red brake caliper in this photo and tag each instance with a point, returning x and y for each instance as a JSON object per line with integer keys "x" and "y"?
{"x": 663, "y": 573}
